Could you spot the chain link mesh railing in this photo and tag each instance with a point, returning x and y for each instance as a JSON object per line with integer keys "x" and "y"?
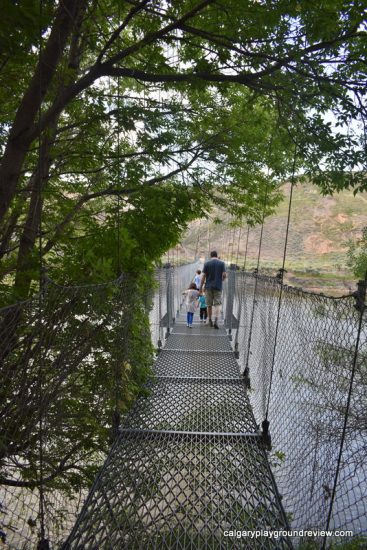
{"x": 309, "y": 380}
{"x": 71, "y": 360}
{"x": 170, "y": 282}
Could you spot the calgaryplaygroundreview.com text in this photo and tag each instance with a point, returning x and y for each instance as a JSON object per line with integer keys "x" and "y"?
{"x": 255, "y": 534}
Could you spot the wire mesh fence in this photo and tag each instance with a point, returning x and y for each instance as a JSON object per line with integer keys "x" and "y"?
{"x": 308, "y": 379}
{"x": 170, "y": 282}
{"x": 71, "y": 360}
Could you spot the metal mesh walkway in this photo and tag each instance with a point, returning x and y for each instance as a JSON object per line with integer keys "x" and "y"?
{"x": 188, "y": 464}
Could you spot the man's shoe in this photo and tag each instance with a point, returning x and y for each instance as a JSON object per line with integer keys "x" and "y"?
{"x": 210, "y": 323}
{"x": 215, "y": 325}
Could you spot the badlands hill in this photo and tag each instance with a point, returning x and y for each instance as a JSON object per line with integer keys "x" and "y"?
{"x": 320, "y": 228}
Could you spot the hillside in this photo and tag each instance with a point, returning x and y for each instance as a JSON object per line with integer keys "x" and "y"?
{"x": 319, "y": 230}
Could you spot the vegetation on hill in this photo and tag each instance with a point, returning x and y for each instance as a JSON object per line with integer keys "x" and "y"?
{"x": 322, "y": 230}
{"x": 357, "y": 255}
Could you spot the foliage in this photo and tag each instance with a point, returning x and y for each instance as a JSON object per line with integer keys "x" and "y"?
{"x": 357, "y": 255}
{"x": 94, "y": 350}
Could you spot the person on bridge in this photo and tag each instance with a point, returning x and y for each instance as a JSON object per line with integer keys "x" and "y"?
{"x": 197, "y": 278}
{"x": 203, "y": 307}
{"x": 192, "y": 295}
{"x": 214, "y": 273}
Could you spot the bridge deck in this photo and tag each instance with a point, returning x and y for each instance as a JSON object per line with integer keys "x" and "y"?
{"x": 188, "y": 464}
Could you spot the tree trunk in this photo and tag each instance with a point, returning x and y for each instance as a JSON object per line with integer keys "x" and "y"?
{"x": 39, "y": 180}
{"x": 8, "y": 233}
{"x": 22, "y": 132}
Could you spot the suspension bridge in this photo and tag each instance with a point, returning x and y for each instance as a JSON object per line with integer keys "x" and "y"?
{"x": 191, "y": 464}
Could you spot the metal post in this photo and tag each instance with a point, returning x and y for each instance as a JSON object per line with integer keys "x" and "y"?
{"x": 169, "y": 300}
{"x": 230, "y": 298}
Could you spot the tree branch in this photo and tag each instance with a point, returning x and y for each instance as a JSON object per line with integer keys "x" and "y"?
{"x": 249, "y": 79}
{"x": 134, "y": 11}
{"x": 61, "y": 468}
{"x": 110, "y": 192}
{"x": 151, "y": 37}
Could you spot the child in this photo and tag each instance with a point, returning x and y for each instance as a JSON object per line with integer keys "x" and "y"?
{"x": 191, "y": 302}
{"x": 197, "y": 279}
{"x": 203, "y": 308}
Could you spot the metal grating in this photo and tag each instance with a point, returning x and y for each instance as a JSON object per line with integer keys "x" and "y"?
{"x": 194, "y": 405}
{"x": 186, "y": 364}
{"x": 188, "y": 463}
{"x": 199, "y": 328}
{"x": 179, "y": 491}
{"x": 202, "y": 342}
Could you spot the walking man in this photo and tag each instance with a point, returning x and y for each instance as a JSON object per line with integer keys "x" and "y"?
{"x": 214, "y": 273}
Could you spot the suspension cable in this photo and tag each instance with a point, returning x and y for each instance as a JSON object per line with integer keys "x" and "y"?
{"x": 230, "y": 245}
{"x": 118, "y": 158}
{"x": 116, "y": 416}
{"x": 43, "y": 543}
{"x": 246, "y": 248}
{"x": 238, "y": 244}
{"x": 208, "y": 239}
{"x": 280, "y": 276}
{"x": 241, "y": 295}
{"x": 233, "y": 238}
{"x": 256, "y": 276}
{"x": 227, "y": 241}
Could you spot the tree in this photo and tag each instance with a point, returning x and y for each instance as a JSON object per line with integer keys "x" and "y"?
{"x": 194, "y": 96}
